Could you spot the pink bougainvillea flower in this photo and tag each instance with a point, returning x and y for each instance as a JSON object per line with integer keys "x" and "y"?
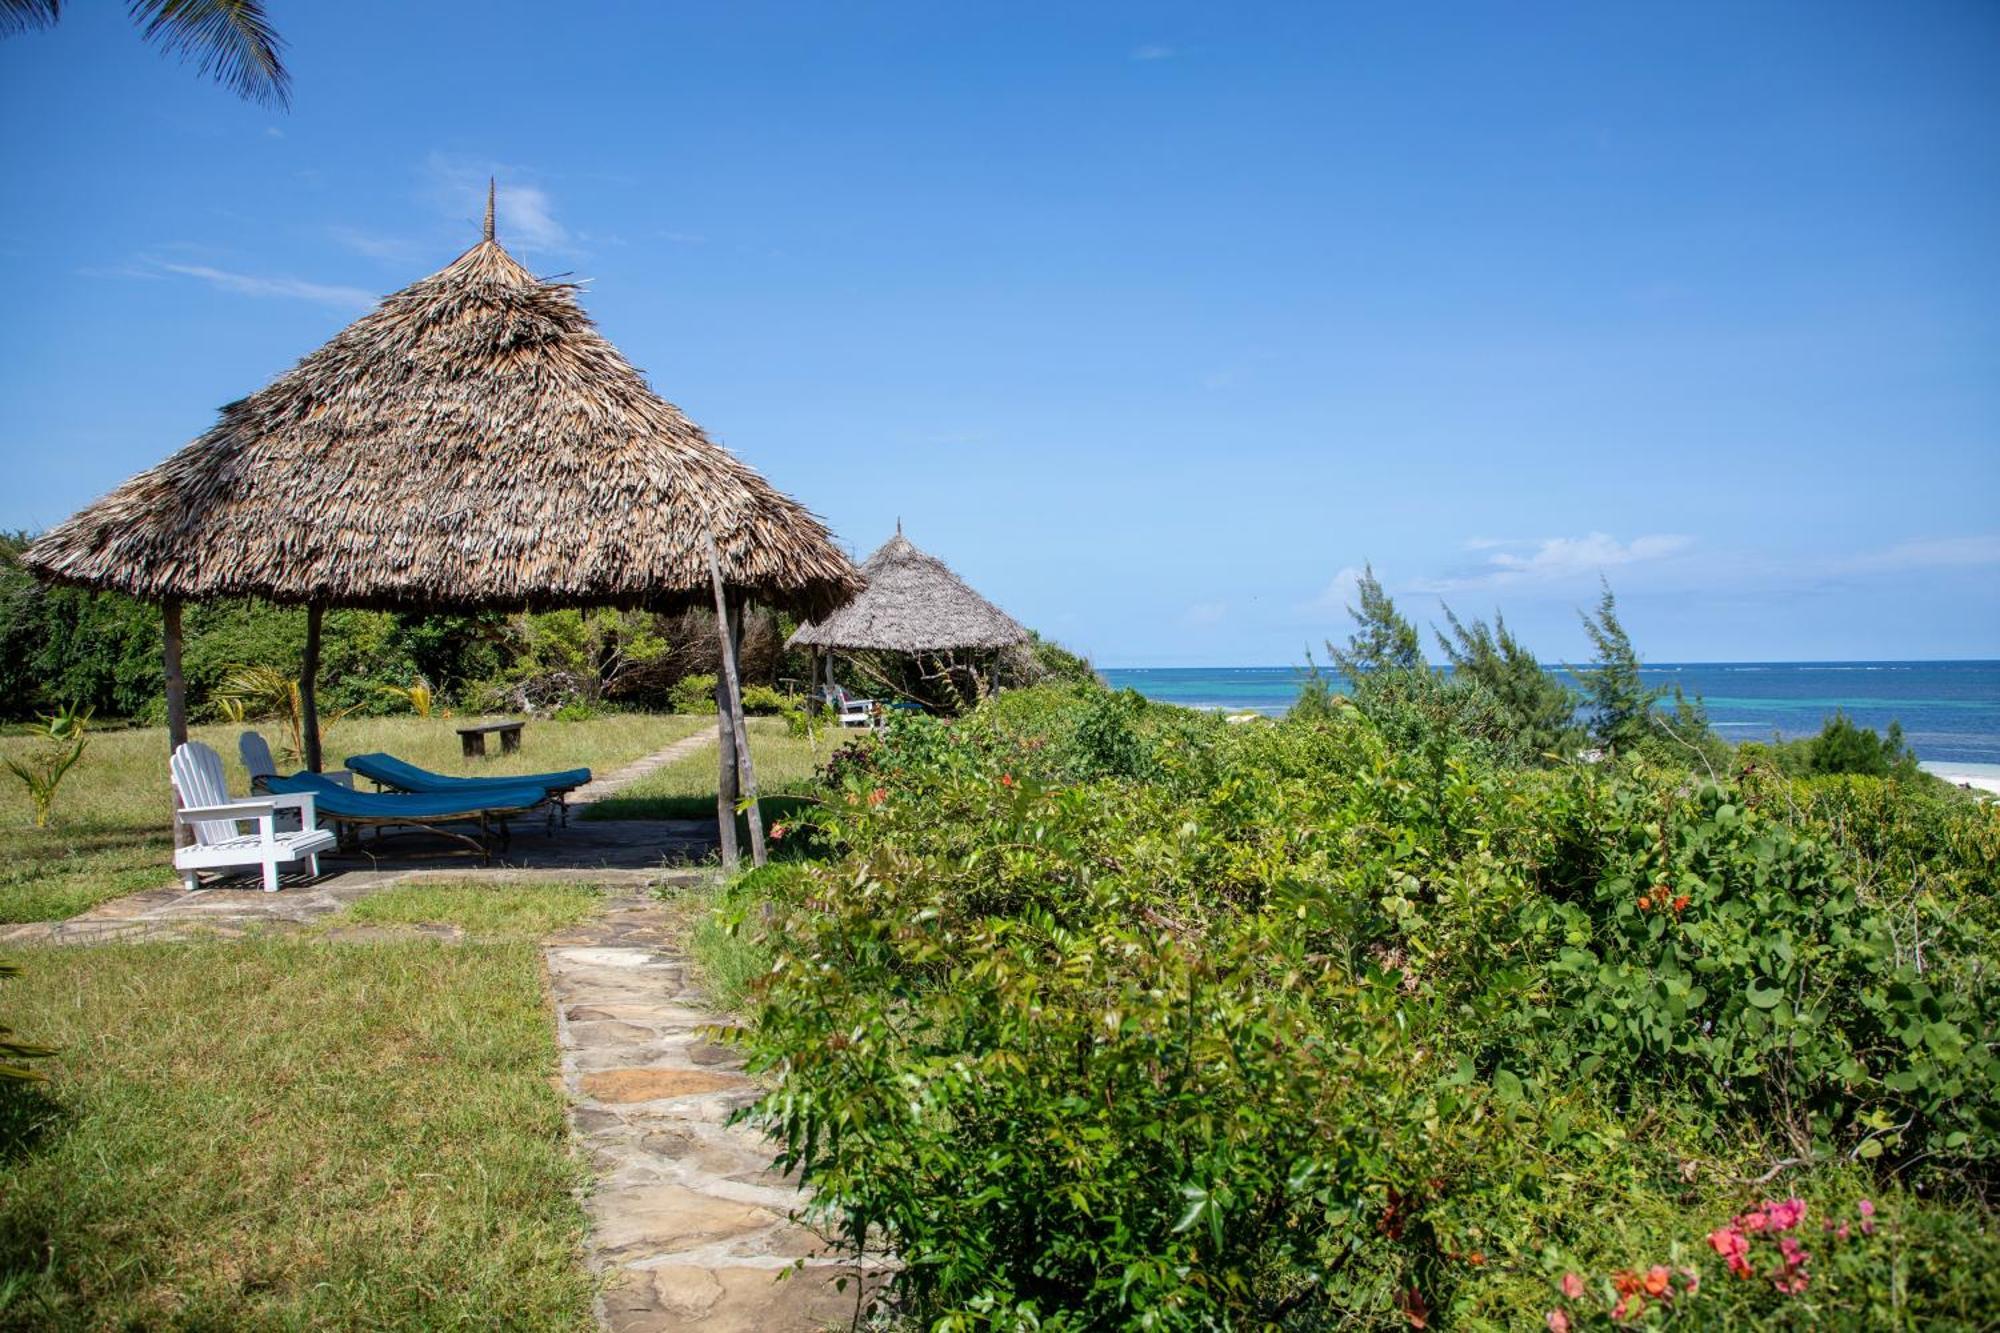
{"x": 1572, "y": 1286}
{"x": 1784, "y": 1216}
{"x": 1693, "y": 1280}
{"x": 1866, "y": 1208}
{"x": 777, "y": 833}
{"x": 1558, "y": 1322}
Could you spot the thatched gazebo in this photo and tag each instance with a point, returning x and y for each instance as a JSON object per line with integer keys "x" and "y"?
{"x": 472, "y": 443}
{"x": 914, "y": 605}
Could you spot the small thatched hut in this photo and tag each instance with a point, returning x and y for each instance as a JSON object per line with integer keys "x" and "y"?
{"x": 471, "y": 443}
{"x": 916, "y": 606}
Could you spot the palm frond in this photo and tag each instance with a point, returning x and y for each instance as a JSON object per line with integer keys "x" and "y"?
{"x": 21, "y": 15}
{"x": 232, "y": 40}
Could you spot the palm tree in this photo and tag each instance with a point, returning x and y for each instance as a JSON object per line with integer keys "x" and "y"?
{"x": 230, "y": 39}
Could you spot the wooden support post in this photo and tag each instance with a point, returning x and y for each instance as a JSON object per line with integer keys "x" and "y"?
{"x": 729, "y": 687}
{"x": 725, "y": 781}
{"x": 177, "y": 707}
{"x": 308, "y": 686}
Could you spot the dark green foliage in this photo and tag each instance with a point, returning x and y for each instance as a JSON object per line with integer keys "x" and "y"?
{"x": 1057, "y": 665}
{"x": 1537, "y": 711}
{"x": 1382, "y": 639}
{"x": 1620, "y": 703}
{"x": 13, "y": 1051}
{"x": 59, "y": 646}
{"x": 1842, "y": 747}
{"x": 1102, "y": 1017}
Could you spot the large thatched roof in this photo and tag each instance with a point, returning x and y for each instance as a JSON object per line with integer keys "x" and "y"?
{"x": 913, "y": 603}
{"x": 472, "y": 442}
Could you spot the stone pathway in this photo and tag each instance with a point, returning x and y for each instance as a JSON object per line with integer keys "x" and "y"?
{"x": 599, "y": 788}
{"x": 689, "y": 1225}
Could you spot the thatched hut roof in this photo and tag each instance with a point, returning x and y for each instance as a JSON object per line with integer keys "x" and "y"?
{"x": 473, "y": 442}
{"x": 913, "y": 603}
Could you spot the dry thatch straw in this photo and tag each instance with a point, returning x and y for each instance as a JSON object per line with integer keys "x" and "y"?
{"x": 913, "y": 604}
{"x": 473, "y": 442}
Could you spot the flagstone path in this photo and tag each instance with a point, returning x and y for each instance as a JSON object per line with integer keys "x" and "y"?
{"x": 592, "y": 792}
{"x": 690, "y": 1227}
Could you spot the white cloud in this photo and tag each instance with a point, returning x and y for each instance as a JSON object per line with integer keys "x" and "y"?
{"x": 1929, "y": 553}
{"x": 1340, "y": 592}
{"x": 1203, "y": 614}
{"x": 247, "y": 284}
{"x": 1554, "y": 559}
{"x": 374, "y": 246}
{"x": 524, "y": 215}
{"x": 1152, "y": 51}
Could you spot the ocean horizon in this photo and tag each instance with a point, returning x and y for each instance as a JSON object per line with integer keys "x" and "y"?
{"x": 1949, "y": 710}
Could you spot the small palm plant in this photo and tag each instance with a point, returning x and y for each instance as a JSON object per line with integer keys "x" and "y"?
{"x": 418, "y": 696}
{"x": 55, "y": 751}
{"x": 259, "y": 692}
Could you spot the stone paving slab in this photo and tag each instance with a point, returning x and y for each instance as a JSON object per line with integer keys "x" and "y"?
{"x": 690, "y": 1226}
{"x": 592, "y": 792}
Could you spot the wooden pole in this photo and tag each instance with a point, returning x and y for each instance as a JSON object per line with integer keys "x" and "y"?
{"x": 737, "y": 611}
{"x": 308, "y": 685}
{"x": 725, "y": 781}
{"x": 177, "y": 707}
{"x": 729, "y": 683}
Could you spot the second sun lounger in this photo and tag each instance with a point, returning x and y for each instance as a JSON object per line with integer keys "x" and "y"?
{"x": 430, "y": 811}
{"x": 385, "y": 770}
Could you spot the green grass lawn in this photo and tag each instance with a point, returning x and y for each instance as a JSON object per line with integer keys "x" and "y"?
{"x": 111, "y": 834}
{"x": 686, "y": 789}
{"x": 508, "y": 911}
{"x": 287, "y": 1134}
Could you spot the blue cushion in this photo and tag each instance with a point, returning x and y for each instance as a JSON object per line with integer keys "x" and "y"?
{"x": 330, "y": 798}
{"x": 393, "y": 772}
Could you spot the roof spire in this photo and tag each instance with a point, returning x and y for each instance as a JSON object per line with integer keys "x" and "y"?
{"x": 899, "y": 525}
{"x": 489, "y": 209}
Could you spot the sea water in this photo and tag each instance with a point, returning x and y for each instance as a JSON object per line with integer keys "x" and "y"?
{"x": 1950, "y": 711}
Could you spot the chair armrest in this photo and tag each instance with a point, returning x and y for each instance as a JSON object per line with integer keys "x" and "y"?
{"x": 231, "y": 810}
{"x": 300, "y": 801}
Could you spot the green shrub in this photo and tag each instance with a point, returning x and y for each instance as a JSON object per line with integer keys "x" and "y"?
{"x": 693, "y": 694}
{"x": 1109, "y": 1013}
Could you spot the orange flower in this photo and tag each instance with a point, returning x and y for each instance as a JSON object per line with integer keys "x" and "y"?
{"x": 1476, "y": 1259}
{"x": 879, "y": 795}
{"x": 1656, "y": 1281}
{"x": 1006, "y": 779}
{"x": 1681, "y": 902}
{"x": 1645, "y": 903}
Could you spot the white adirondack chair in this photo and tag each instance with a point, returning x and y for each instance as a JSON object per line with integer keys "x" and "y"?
{"x": 216, "y": 822}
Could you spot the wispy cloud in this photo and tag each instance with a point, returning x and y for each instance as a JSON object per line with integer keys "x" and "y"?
{"x": 1929, "y": 553}
{"x": 1554, "y": 559}
{"x": 398, "y": 248}
{"x": 297, "y": 289}
{"x": 1340, "y": 592}
{"x": 1152, "y": 51}
{"x": 1203, "y": 614}
{"x": 525, "y": 215}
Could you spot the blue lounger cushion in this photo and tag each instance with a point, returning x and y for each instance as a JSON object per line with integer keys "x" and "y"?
{"x": 338, "y": 802}
{"x": 393, "y": 772}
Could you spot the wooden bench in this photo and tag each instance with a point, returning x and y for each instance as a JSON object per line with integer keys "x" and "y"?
{"x": 473, "y": 739}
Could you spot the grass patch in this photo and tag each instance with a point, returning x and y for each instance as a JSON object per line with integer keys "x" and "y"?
{"x": 513, "y": 911}
{"x": 727, "y": 943}
{"x": 290, "y": 1133}
{"x": 112, "y": 836}
{"x": 685, "y": 789}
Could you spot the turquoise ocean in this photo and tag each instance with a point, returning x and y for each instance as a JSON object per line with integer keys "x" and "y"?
{"x": 1950, "y": 711}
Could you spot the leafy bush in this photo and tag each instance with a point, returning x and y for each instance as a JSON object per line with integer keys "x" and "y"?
{"x": 1109, "y": 1013}
{"x": 693, "y": 694}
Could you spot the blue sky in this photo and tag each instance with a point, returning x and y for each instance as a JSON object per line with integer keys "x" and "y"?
{"x": 1155, "y": 320}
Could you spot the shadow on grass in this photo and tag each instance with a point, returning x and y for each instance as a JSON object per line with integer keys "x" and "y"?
{"x": 776, "y": 809}
{"x": 28, "y": 1118}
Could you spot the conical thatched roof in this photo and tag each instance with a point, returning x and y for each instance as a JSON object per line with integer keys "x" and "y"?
{"x": 913, "y": 603}
{"x": 472, "y": 442}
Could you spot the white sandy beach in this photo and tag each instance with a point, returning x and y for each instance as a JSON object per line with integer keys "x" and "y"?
{"x": 1980, "y": 777}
